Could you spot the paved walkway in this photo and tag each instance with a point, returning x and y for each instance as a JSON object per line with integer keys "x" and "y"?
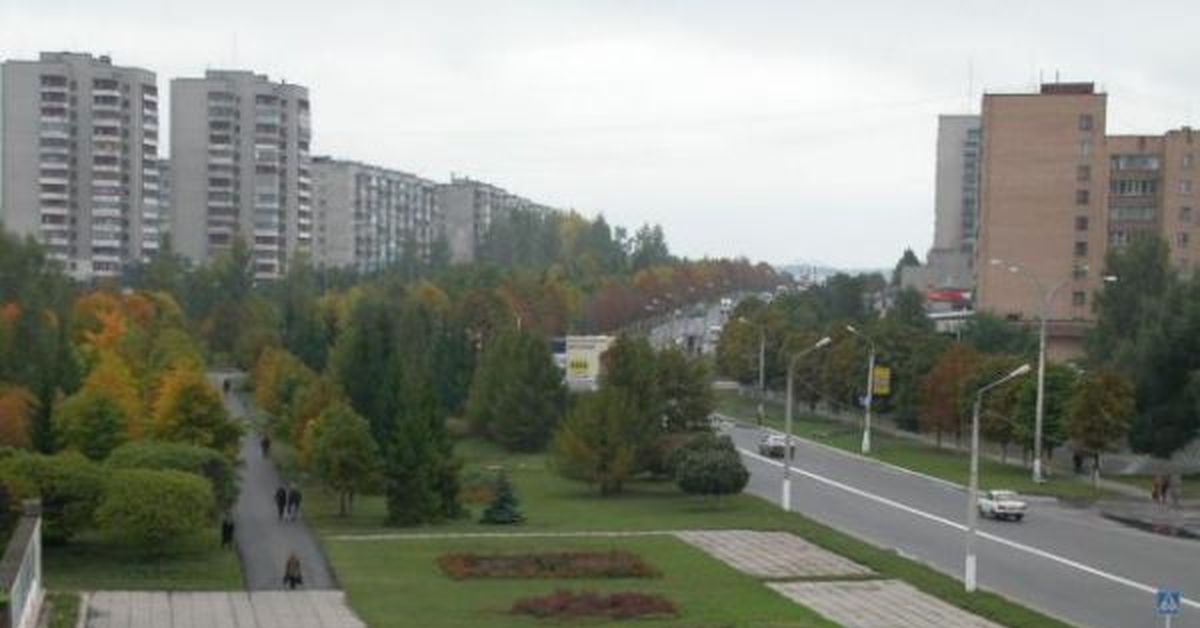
{"x": 256, "y": 609}
{"x": 264, "y": 542}
{"x": 877, "y": 604}
{"x": 772, "y": 554}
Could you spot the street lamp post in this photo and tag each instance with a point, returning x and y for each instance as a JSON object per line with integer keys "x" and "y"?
{"x": 1047, "y": 301}
{"x": 969, "y": 579}
{"x": 762, "y": 366}
{"x": 786, "y": 500}
{"x": 866, "y": 439}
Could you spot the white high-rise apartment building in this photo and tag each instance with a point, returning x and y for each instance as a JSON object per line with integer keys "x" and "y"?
{"x": 79, "y": 159}
{"x": 959, "y": 154}
{"x": 369, "y": 218}
{"x": 241, "y": 168}
{"x": 469, "y": 207}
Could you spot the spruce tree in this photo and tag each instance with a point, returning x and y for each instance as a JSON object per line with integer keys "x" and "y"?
{"x": 505, "y": 507}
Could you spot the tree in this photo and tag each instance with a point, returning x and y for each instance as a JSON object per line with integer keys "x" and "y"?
{"x": 908, "y": 259}
{"x": 686, "y": 390}
{"x": 1100, "y": 412}
{"x": 420, "y": 472}
{"x": 600, "y": 440}
{"x": 909, "y": 309}
{"x": 91, "y": 423}
{"x": 190, "y": 410}
{"x": 505, "y": 508}
{"x": 517, "y": 396}
{"x": 989, "y": 333}
{"x": 112, "y": 380}
{"x": 944, "y": 387}
{"x": 1144, "y": 277}
{"x": 649, "y": 248}
{"x": 1059, "y": 385}
{"x": 69, "y": 485}
{"x": 154, "y": 510}
{"x": 1001, "y": 419}
{"x": 345, "y": 455}
{"x": 163, "y": 456}
{"x": 366, "y": 365}
{"x": 713, "y": 472}
{"x": 17, "y": 409}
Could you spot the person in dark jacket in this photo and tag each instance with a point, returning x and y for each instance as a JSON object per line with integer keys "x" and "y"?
{"x": 293, "y": 503}
{"x": 292, "y": 577}
{"x": 281, "y": 496}
{"x": 226, "y": 531}
{"x": 265, "y": 443}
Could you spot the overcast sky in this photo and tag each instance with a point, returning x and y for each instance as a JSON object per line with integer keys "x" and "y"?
{"x": 782, "y": 131}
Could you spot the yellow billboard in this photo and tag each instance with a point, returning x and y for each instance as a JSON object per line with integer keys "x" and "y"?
{"x": 882, "y": 380}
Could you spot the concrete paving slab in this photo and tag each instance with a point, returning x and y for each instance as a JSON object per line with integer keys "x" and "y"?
{"x": 877, "y": 604}
{"x": 772, "y": 554}
{"x": 220, "y": 609}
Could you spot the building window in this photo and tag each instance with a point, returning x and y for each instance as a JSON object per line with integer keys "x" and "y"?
{"x": 1081, "y": 249}
{"x": 1081, "y": 197}
{"x": 1079, "y": 272}
{"x": 1187, "y": 160}
{"x": 1079, "y": 298}
{"x": 1134, "y": 187}
{"x": 1181, "y": 239}
{"x": 1085, "y": 148}
{"x": 1085, "y": 122}
{"x": 1185, "y": 187}
{"x": 1083, "y": 173}
{"x": 1185, "y": 215}
{"x": 1081, "y": 223}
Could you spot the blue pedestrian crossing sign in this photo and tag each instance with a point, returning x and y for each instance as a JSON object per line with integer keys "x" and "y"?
{"x": 1167, "y": 602}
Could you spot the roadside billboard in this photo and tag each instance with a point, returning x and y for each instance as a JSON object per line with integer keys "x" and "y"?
{"x": 583, "y": 361}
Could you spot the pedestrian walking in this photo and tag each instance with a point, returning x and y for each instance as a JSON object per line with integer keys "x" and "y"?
{"x": 265, "y": 443}
{"x": 225, "y": 384}
{"x": 292, "y": 577}
{"x": 293, "y": 503}
{"x": 281, "y": 496}
{"x": 226, "y": 531}
{"x": 1175, "y": 489}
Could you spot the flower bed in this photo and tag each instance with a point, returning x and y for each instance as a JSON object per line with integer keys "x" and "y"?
{"x": 614, "y": 564}
{"x": 567, "y": 604}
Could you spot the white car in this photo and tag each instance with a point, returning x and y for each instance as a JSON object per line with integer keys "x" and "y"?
{"x": 1002, "y": 505}
{"x": 773, "y": 446}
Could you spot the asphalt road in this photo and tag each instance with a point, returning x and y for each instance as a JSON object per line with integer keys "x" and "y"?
{"x": 1067, "y": 562}
{"x": 695, "y": 322}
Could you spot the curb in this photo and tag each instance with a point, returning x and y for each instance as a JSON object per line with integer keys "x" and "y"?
{"x": 1162, "y": 529}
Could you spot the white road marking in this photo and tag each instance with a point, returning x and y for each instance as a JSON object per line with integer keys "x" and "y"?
{"x": 958, "y": 526}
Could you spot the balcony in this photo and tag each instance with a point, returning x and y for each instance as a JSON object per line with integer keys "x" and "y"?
{"x": 53, "y": 196}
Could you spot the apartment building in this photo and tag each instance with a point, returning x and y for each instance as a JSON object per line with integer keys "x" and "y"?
{"x": 1151, "y": 181}
{"x": 241, "y": 168}
{"x": 950, "y": 262}
{"x": 79, "y": 160}
{"x": 469, "y": 207}
{"x": 369, "y": 218}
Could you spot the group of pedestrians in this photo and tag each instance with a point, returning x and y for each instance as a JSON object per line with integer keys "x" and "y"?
{"x": 287, "y": 502}
{"x": 1167, "y": 488}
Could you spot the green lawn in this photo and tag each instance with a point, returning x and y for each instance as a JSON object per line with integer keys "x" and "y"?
{"x": 552, "y": 503}
{"x": 397, "y": 583}
{"x": 90, "y": 562}
{"x": 940, "y": 463}
{"x": 62, "y": 609}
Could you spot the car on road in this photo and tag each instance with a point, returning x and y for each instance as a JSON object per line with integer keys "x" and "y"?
{"x": 773, "y": 446}
{"x": 1002, "y": 505}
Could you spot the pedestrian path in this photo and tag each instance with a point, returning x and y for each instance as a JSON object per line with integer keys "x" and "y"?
{"x": 264, "y": 542}
{"x": 218, "y": 609}
{"x": 877, "y": 604}
{"x": 773, "y": 554}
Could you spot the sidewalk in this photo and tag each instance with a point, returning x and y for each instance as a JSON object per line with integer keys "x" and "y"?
{"x": 1157, "y": 518}
{"x": 264, "y": 542}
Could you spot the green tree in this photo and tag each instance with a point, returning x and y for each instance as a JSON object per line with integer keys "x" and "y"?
{"x": 345, "y": 455}
{"x": 1144, "y": 277}
{"x": 649, "y": 248}
{"x": 1001, "y": 419}
{"x": 517, "y": 397}
{"x": 906, "y": 260}
{"x": 69, "y": 485}
{"x": 505, "y": 508}
{"x": 1059, "y": 386}
{"x": 154, "y": 510}
{"x": 190, "y": 410}
{"x": 420, "y": 472}
{"x": 600, "y": 440}
{"x": 713, "y": 472}
{"x": 205, "y": 462}
{"x": 91, "y": 423}
{"x": 991, "y": 334}
{"x": 686, "y": 390}
{"x": 1100, "y": 412}
{"x": 909, "y": 309}
{"x": 943, "y": 388}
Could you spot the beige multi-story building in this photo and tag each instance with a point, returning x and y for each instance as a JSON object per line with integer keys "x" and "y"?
{"x": 469, "y": 207}
{"x": 79, "y": 160}
{"x": 241, "y": 168}
{"x": 1056, "y": 193}
{"x": 369, "y": 218}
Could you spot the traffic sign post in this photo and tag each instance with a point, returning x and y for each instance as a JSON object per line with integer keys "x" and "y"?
{"x": 1166, "y": 604}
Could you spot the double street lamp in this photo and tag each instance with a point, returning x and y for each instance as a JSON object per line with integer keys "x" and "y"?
{"x": 787, "y": 445}
{"x": 973, "y": 486}
{"x": 1046, "y": 296}
{"x": 866, "y": 439}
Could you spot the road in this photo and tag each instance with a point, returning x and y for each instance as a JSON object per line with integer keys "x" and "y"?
{"x": 1067, "y": 562}
{"x": 695, "y": 322}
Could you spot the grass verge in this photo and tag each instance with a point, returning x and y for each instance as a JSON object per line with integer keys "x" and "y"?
{"x": 61, "y": 609}
{"x": 945, "y": 464}
{"x": 90, "y": 562}
{"x": 397, "y": 583}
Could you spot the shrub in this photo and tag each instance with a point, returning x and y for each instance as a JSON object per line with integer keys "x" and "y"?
{"x": 712, "y": 472}
{"x": 69, "y": 485}
{"x": 704, "y": 441}
{"x": 154, "y": 509}
{"x": 612, "y": 564}
{"x": 622, "y": 605}
{"x": 478, "y": 487}
{"x": 505, "y": 509}
{"x": 165, "y": 456}
{"x": 91, "y": 423}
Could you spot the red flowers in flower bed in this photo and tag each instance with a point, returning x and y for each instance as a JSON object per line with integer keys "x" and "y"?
{"x": 612, "y": 564}
{"x": 567, "y": 604}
